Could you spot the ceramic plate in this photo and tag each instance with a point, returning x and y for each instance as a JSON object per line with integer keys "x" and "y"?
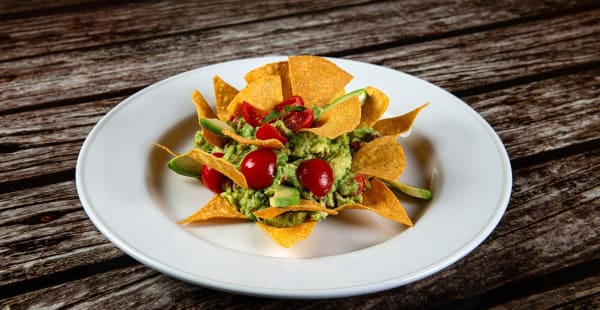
{"x": 135, "y": 201}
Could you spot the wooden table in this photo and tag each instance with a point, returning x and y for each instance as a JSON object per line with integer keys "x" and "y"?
{"x": 531, "y": 69}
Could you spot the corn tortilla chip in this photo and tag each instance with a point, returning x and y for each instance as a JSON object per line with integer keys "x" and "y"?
{"x": 224, "y": 93}
{"x": 381, "y": 200}
{"x": 317, "y": 80}
{"x": 221, "y": 165}
{"x": 202, "y": 107}
{"x": 382, "y": 157}
{"x": 305, "y": 205}
{"x": 280, "y": 69}
{"x": 166, "y": 149}
{"x": 341, "y": 118}
{"x": 398, "y": 125}
{"x": 269, "y": 143}
{"x": 288, "y": 236}
{"x": 264, "y": 94}
{"x": 374, "y": 107}
{"x": 216, "y": 208}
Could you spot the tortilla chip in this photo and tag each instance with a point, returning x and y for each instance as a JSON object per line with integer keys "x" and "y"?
{"x": 382, "y": 157}
{"x": 381, "y": 200}
{"x": 374, "y": 107}
{"x": 166, "y": 149}
{"x": 280, "y": 69}
{"x": 224, "y": 93}
{"x": 216, "y": 208}
{"x": 317, "y": 80}
{"x": 264, "y": 94}
{"x": 399, "y": 125}
{"x": 221, "y": 165}
{"x": 341, "y": 118}
{"x": 288, "y": 236}
{"x": 213, "y": 138}
{"x": 268, "y": 143}
{"x": 202, "y": 107}
{"x": 305, "y": 205}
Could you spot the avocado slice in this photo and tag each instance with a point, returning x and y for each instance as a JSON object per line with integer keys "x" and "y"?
{"x": 362, "y": 97}
{"x": 285, "y": 196}
{"x": 215, "y": 126}
{"x": 410, "y": 190}
{"x": 186, "y": 166}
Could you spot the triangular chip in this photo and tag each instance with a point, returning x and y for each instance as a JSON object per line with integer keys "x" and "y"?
{"x": 398, "y": 125}
{"x": 221, "y": 165}
{"x": 317, "y": 80}
{"x": 305, "y": 205}
{"x": 268, "y": 143}
{"x": 224, "y": 93}
{"x": 264, "y": 94}
{"x": 280, "y": 69}
{"x": 202, "y": 107}
{"x": 382, "y": 157}
{"x": 374, "y": 107}
{"x": 166, "y": 149}
{"x": 216, "y": 208}
{"x": 288, "y": 236}
{"x": 341, "y": 118}
{"x": 381, "y": 200}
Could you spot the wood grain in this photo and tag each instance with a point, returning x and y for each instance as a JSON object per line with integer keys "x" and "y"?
{"x": 106, "y": 69}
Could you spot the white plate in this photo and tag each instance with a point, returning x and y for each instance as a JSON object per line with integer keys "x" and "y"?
{"x": 133, "y": 199}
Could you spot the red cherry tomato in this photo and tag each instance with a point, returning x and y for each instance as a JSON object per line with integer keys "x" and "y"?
{"x": 290, "y": 101}
{"x": 296, "y": 120}
{"x": 360, "y": 179}
{"x": 267, "y": 131}
{"x": 316, "y": 175}
{"x": 259, "y": 168}
{"x": 252, "y": 115}
{"x": 212, "y": 178}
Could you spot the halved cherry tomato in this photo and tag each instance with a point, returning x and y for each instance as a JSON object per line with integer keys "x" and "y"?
{"x": 296, "y": 120}
{"x": 295, "y": 101}
{"x": 317, "y": 175}
{"x": 212, "y": 178}
{"x": 253, "y": 115}
{"x": 259, "y": 168}
{"x": 268, "y": 131}
{"x": 360, "y": 179}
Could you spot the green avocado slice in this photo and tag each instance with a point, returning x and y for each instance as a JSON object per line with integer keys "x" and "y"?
{"x": 285, "y": 196}
{"x": 186, "y": 166}
{"x": 215, "y": 126}
{"x": 410, "y": 190}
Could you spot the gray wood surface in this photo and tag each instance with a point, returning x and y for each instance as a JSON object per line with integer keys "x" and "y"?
{"x": 530, "y": 69}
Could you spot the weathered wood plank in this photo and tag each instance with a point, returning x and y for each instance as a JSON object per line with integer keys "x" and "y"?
{"x": 8, "y": 7}
{"x": 521, "y": 49}
{"x": 564, "y": 234}
{"x": 135, "y": 21}
{"x": 556, "y": 112}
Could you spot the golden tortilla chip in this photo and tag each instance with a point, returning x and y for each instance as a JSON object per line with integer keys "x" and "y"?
{"x": 268, "y": 143}
{"x": 382, "y": 157}
{"x": 280, "y": 69}
{"x": 341, "y": 118}
{"x": 381, "y": 200}
{"x": 305, "y": 205}
{"x": 264, "y": 94}
{"x": 288, "y": 236}
{"x": 317, "y": 80}
{"x": 202, "y": 107}
{"x": 374, "y": 107}
{"x": 398, "y": 125}
{"x": 166, "y": 149}
{"x": 224, "y": 93}
{"x": 216, "y": 208}
{"x": 221, "y": 165}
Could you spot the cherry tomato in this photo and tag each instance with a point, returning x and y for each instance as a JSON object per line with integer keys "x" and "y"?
{"x": 317, "y": 175}
{"x": 360, "y": 179}
{"x": 267, "y": 131}
{"x": 252, "y": 115}
{"x": 212, "y": 178}
{"x": 290, "y": 101}
{"x": 259, "y": 168}
{"x": 296, "y": 120}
